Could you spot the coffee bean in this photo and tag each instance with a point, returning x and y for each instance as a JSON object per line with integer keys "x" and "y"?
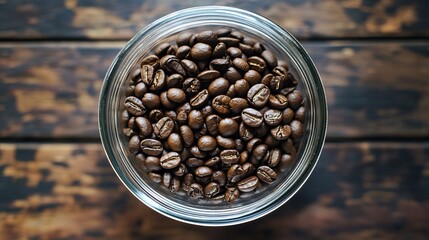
{"x": 266, "y": 174}
{"x": 212, "y": 162}
{"x": 261, "y": 131}
{"x": 219, "y": 51}
{"x": 195, "y": 119}
{"x": 239, "y": 144}
{"x": 183, "y": 38}
{"x": 220, "y": 64}
{"x": 269, "y": 58}
{"x": 155, "y": 177}
{"x": 201, "y": 51}
{"x": 134, "y": 106}
{"x": 207, "y": 110}
{"x": 221, "y": 104}
{"x": 271, "y": 141}
{"x": 195, "y": 191}
{"x": 227, "y": 143}
{"x": 175, "y": 142}
{"x": 155, "y": 115}
{"x": 241, "y": 64}
{"x": 259, "y": 151}
{"x": 187, "y": 135}
{"x": 231, "y": 194}
{"x": 175, "y": 80}
{"x": 166, "y": 102}
{"x": 196, "y": 152}
{"x": 200, "y": 99}
{"x": 151, "y": 101}
{"x": 281, "y": 132}
{"x": 147, "y": 73}
{"x": 256, "y": 63}
{"x": 130, "y": 89}
{"x": 275, "y": 157}
{"x": 231, "y": 91}
{"x": 190, "y": 67}
{"x": 235, "y": 173}
{"x": 151, "y": 60}
{"x": 252, "y": 77}
{"x": 134, "y": 144}
{"x": 176, "y": 95}
{"x": 252, "y": 117}
{"x": 218, "y": 87}
{"x": 295, "y": 99}
{"x": 207, "y": 143}
{"x": 248, "y": 184}
{"x": 188, "y": 179}
{"x": 234, "y": 52}
{"x": 297, "y": 130}
{"x": 228, "y": 127}
{"x": 244, "y": 132}
{"x": 241, "y": 87}
{"x": 159, "y": 80}
{"x": 278, "y": 101}
{"x": 194, "y": 162}
{"x": 140, "y": 89}
{"x": 248, "y": 169}
{"x": 232, "y": 74}
{"x": 181, "y": 170}
{"x": 162, "y": 49}
{"x": 174, "y": 185}
{"x": 212, "y": 123}
{"x": 208, "y": 75}
{"x": 191, "y": 86}
{"x": 207, "y": 37}
{"x": 171, "y": 63}
{"x": 229, "y": 156}
{"x": 287, "y": 115}
{"x": 286, "y": 162}
{"x": 211, "y": 189}
{"x": 273, "y": 117}
{"x": 229, "y": 41}
{"x": 164, "y": 127}
{"x": 183, "y": 52}
{"x": 219, "y": 177}
{"x": 151, "y": 147}
{"x": 152, "y": 164}
{"x": 300, "y": 114}
{"x": 237, "y": 105}
{"x": 170, "y": 160}
{"x": 258, "y": 95}
{"x": 288, "y": 147}
{"x": 145, "y": 126}
{"x": 129, "y": 132}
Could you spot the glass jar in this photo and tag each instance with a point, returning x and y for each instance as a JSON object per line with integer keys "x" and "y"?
{"x": 179, "y": 207}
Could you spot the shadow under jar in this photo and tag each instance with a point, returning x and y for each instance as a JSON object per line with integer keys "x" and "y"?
{"x": 154, "y": 160}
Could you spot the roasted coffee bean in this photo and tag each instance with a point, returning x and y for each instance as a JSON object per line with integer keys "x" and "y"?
{"x": 130, "y": 89}
{"x": 297, "y": 130}
{"x": 181, "y": 170}
{"x": 166, "y": 102}
{"x": 208, "y": 75}
{"x": 190, "y": 67}
{"x": 258, "y": 95}
{"x": 145, "y": 126}
{"x": 200, "y": 99}
{"x": 155, "y": 115}
{"x": 241, "y": 64}
{"x": 175, "y": 80}
{"x": 229, "y": 156}
{"x": 231, "y": 194}
{"x": 286, "y": 162}
{"x": 227, "y": 143}
{"x": 281, "y": 132}
{"x": 287, "y": 115}
{"x": 239, "y": 144}
{"x": 211, "y": 189}
{"x": 176, "y": 95}
{"x": 295, "y": 99}
{"x": 162, "y": 49}
{"x": 248, "y": 169}
{"x": 252, "y": 143}
{"x": 288, "y": 147}
{"x": 129, "y": 132}
{"x": 201, "y": 51}
{"x": 151, "y": 60}
{"x": 136, "y": 75}
{"x": 221, "y": 104}
{"x": 171, "y": 64}
{"x": 280, "y": 71}
{"x": 270, "y": 58}
{"x": 252, "y": 77}
{"x": 174, "y": 185}
{"x": 155, "y": 177}
{"x": 229, "y": 41}
{"x": 256, "y": 63}
{"x": 183, "y": 52}
{"x": 244, "y": 132}
{"x": 164, "y": 127}
{"x": 266, "y": 174}
{"x": 152, "y": 163}
{"x": 219, "y": 177}
{"x": 195, "y": 191}
{"x": 252, "y": 117}
{"x": 194, "y": 162}
{"x": 228, "y": 127}
{"x": 219, "y": 51}
{"x": 188, "y": 179}
{"x": 195, "y": 119}
{"x": 191, "y": 86}
{"x": 203, "y": 171}
{"x": 248, "y": 184}
{"x": 187, "y": 135}
{"x": 207, "y": 143}
{"x": 140, "y": 89}
{"x": 259, "y": 151}
{"x": 134, "y": 144}
{"x": 170, "y": 160}
{"x": 234, "y": 52}
{"x": 275, "y": 157}
{"x": 175, "y": 142}
{"x": 147, "y": 74}
{"x": 241, "y": 87}
{"x": 125, "y": 116}
{"x": 207, "y": 37}
{"x": 135, "y": 106}
{"x": 278, "y": 101}
{"x": 235, "y": 173}
{"x": 273, "y": 117}
{"x": 246, "y": 49}
{"x": 151, "y": 101}
{"x": 183, "y": 38}
{"x": 232, "y": 74}
{"x": 182, "y": 118}
{"x": 300, "y": 114}
{"x": 207, "y": 111}
{"x": 237, "y": 34}
{"x": 261, "y": 131}
{"x": 237, "y": 105}
{"x": 151, "y": 147}
{"x": 193, "y": 40}
{"x": 231, "y": 91}
{"x": 212, "y": 162}
{"x": 159, "y": 80}
{"x": 271, "y": 141}
{"x": 218, "y": 87}
{"x": 196, "y": 152}
{"x": 276, "y": 83}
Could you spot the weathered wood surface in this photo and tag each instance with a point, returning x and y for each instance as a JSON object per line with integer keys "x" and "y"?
{"x": 357, "y": 191}
{"x": 373, "y": 89}
{"x": 121, "y": 19}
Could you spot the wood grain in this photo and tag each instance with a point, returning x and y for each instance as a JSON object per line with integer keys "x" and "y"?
{"x": 115, "y": 19}
{"x": 358, "y": 191}
{"x": 373, "y": 89}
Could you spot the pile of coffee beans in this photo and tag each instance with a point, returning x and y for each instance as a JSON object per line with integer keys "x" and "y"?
{"x": 214, "y": 114}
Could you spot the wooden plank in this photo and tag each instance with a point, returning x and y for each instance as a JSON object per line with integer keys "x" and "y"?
{"x": 373, "y": 89}
{"x": 357, "y": 191}
{"x": 114, "y": 19}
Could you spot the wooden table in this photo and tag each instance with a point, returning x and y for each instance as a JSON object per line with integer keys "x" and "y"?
{"x": 372, "y": 180}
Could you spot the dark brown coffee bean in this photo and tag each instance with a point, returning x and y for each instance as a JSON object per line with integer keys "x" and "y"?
{"x": 220, "y": 64}
{"x": 145, "y": 126}
{"x": 196, "y": 152}
{"x": 244, "y": 132}
{"x": 286, "y": 162}
{"x": 130, "y": 90}
{"x": 256, "y": 63}
{"x": 195, "y": 119}
{"x": 271, "y": 141}
{"x": 170, "y": 160}
{"x": 129, "y": 132}
{"x": 207, "y": 111}
{"x": 152, "y": 164}
{"x": 164, "y": 127}
{"x": 151, "y": 101}
{"x": 259, "y": 151}
{"x": 187, "y": 135}
{"x": 231, "y": 91}
{"x": 252, "y": 117}
{"x": 151, "y": 147}
{"x": 181, "y": 170}
{"x": 248, "y": 169}
{"x": 229, "y": 156}
{"x": 161, "y": 50}
{"x": 288, "y": 147}
{"x": 188, "y": 179}
{"x": 208, "y": 75}
{"x": 266, "y": 174}
{"x": 185, "y": 154}
{"x": 155, "y": 115}
{"x": 287, "y": 115}
{"x": 147, "y": 73}
{"x": 195, "y": 191}
{"x": 155, "y": 177}
{"x": 175, "y": 142}
{"x": 229, "y": 41}
{"x": 234, "y": 52}
{"x": 193, "y": 40}
{"x": 135, "y": 106}
{"x": 183, "y": 52}
{"x": 175, "y": 80}
{"x": 221, "y": 104}
{"x": 235, "y": 173}
{"x": 269, "y": 58}
{"x": 174, "y": 185}
{"x": 203, "y": 171}
{"x": 280, "y": 71}
{"x": 241, "y": 87}
{"x": 261, "y": 131}
{"x": 275, "y": 157}
{"x": 176, "y": 95}
{"x": 159, "y": 80}
{"x": 207, "y": 143}
{"x": 183, "y": 38}
{"x": 200, "y": 99}
{"x": 232, "y": 74}
{"x": 140, "y": 89}
{"x": 166, "y": 102}
{"x": 171, "y": 114}
{"x": 278, "y": 101}
{"x": 237, "y": 105}
{"x": 246, "y": 49}
{"x": 212, "y": 162}
{"x": 152, "y": 60}
{"x": 248, "y": 184}
{"x": 201, "y": 51}
{"x": 134, "y": 144}
{"x": 241, "y": 64}
{"x": 237, "y": 34}
{"x": 297, "y": 130}
{"x": 239, "y": 144}
{"x": 218, "y": 87}
{"x": 300, "y": 114}
{"x": 194, "y": 162}
{"x": 252, "y": 77}
{"x": 207, "y": 37}
{"x": 273, "y": 117}
{"x": 125, "y": 117}
{"x": 281, "y": 132}
{"x": 258, "y": 95}
{"x": 276, "y": 83}
{"x": 136, "y": 75}
{"x": 231, "y": 194}
{"x": 219, "y": 177}
{"x": 211, "y": 190}
{"x": 190, "y": 67}
{"x": 252, "y": 143}
{"x": 227, "y": 143}
{"x": 219, "y": 51}
{"x": 212, "y": 123}
{"x": 191, "y": 86}
{"x": 295, "y": 99}
{"x": 228, "y": 127}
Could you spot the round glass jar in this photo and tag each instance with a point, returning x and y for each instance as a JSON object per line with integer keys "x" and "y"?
{"x": 211, "y": 213}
